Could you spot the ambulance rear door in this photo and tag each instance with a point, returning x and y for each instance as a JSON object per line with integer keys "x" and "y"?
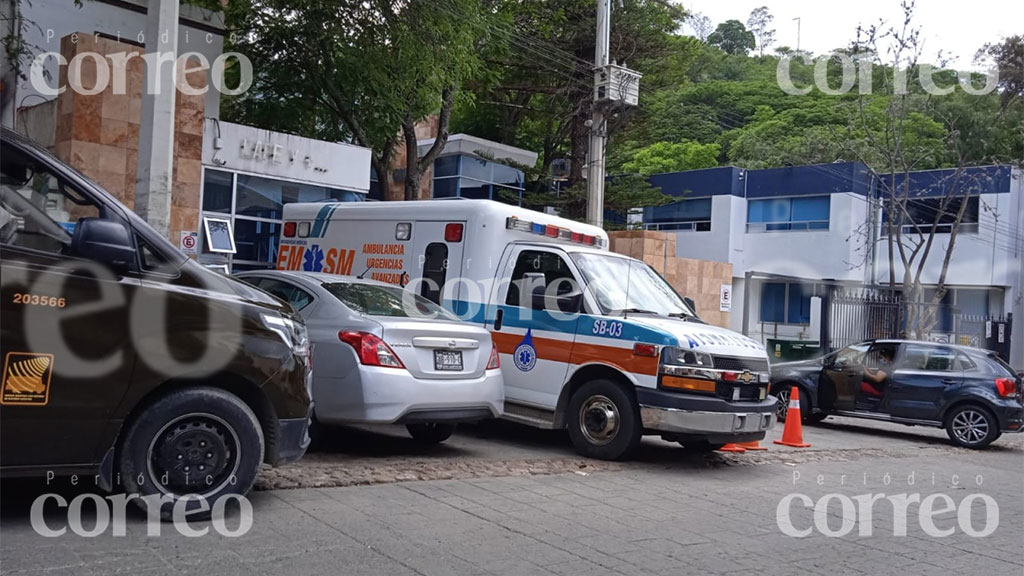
{"x": 438, "y": 249}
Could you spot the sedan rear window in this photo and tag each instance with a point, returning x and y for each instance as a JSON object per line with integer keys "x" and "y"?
{"x": 387, "y": 301}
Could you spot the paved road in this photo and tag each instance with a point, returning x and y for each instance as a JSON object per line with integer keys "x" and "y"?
{"x": 518, "y": 501}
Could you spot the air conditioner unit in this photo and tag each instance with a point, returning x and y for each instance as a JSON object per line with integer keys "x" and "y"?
{"x": 614, "y": 83}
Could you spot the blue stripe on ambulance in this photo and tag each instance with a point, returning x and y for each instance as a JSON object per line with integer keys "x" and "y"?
{"x": 542, "y": 320}
{"x": 318, "y": 224}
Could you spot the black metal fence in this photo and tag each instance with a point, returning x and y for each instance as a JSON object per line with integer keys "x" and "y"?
{"x": 851, "y": 315}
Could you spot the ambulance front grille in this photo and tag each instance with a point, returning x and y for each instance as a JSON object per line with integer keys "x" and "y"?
{"x": 737, "y": 364}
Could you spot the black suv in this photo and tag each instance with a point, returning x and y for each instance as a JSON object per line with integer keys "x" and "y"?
{"x": 971, "y": 393}
{"x": 122, "y": 358}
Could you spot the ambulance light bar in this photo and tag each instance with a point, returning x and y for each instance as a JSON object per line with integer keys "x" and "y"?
{"x": 550, "y": 231}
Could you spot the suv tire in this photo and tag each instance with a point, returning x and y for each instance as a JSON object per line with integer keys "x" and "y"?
{"x": 604, "y": 420}
{"x": 200, "y": 440}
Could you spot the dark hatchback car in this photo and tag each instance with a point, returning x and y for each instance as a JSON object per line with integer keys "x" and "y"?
{"x": 971, "y": 393}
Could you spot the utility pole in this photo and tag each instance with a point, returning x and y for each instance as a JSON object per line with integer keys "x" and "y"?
{"x": 595, "y": 161}
{"x": 156, "y": 128}
{"x": 797, "y": 19}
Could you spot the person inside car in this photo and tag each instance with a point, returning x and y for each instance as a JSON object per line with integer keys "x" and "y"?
{"x": 874, "y": 380}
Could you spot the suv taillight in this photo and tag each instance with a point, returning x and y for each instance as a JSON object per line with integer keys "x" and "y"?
{"x": 494, "y": 362}
{"x": 1006, "y": 387}
{"x": 372, "y": 351}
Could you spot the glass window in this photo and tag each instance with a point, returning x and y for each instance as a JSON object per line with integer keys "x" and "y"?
{"x": 256, "y": 240}
{"x": 972, "y": 302}
{"x": 851, "y": 355}
{"x": 262, "y": 197}
{"x": 692, "y": 214}
{"x": 930, "y": 358}
{"x": 37, "y": 211}
{"x": 435, "y": 271}
{"x": 217, "y": 191}
{"x": 623, "y": 283}
{"x": 476, "y": 168}
{"x": 551, "y": 265}
{"x": 473, "y": 189}
{"x": 773, "y": 302}
{"x": 777, "y": 214}
{"x": 374, "y": 300}
{"x": 799, "y": 302}
{"x": 446, "y": 187}
{"x": 506, "y": 176}
{"x": 287, "y": 292}
{"x": 446, "y": 166}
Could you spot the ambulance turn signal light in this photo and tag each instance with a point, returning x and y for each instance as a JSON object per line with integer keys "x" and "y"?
{"x": 645, "y": 350}
{"x": 289, "y": 229}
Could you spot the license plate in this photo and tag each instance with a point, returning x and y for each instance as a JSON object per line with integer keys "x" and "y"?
{"x": 448, "y": 360}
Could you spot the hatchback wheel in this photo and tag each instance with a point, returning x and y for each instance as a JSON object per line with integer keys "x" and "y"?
{"x": 972, "y": 426}
{"x": 430, "y": 432}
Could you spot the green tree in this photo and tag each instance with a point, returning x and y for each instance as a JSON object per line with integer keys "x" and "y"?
{"x": 733, "y": 37}
{"x": 663, "y": 157}
{"x": 366, "y": 69}
{"x": 759, "y": 23}
{"x": 1008, "y": 57}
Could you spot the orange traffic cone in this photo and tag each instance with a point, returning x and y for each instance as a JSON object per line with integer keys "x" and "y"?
{"x": 733, "y": 448}
{"x": 793, "y": 433}
{"x": 755, "y": 445}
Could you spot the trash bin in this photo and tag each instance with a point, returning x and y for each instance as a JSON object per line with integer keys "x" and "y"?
{"x": 792, "y": 350}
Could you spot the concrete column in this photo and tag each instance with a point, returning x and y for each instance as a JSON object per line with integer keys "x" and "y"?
{"x": 153, "y": 179}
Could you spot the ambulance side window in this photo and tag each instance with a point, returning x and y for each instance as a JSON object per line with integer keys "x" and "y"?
{"x": 435, "y": 271}
{"x": 551, "y": 265}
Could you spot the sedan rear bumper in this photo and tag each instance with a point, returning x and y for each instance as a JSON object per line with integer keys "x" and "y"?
{"x": 394, "y": 396}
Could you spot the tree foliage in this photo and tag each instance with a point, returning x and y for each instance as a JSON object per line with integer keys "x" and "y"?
{"x": 759, "y": 23}
{"x": 733, "y": 37}
{"x": 366, "y": 70}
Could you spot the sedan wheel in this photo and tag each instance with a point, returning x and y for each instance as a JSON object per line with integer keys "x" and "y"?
{"x": 972, "y": 427}
{"x": 782, "y": 408}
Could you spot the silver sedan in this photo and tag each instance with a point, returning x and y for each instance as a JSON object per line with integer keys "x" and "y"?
{"x": 384, "y": 355}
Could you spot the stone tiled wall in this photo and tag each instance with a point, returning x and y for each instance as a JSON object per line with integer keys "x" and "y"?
{"x": 99, "y": 134}
{"x": 698, "y": 279}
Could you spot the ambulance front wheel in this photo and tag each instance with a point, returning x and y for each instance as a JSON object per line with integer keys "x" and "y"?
{"x": 604, "y": 420}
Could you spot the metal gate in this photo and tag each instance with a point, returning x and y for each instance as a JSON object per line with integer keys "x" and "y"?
{"x": 852, "y": 315}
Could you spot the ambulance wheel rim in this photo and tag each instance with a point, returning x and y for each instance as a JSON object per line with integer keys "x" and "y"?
{"x": 599, "y": 420}
{"x": 196, "y": 453}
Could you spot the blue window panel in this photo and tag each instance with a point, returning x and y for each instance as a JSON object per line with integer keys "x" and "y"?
{"x": 260, "y": 197}
{"x": 473, "y": 189}
{"x": 217, "y": 191}
{"x": 506, "y": 176}
{"x": 256, "y": 240}
{"x": 446, "y": 187}
{"x": 446, "y": 166}
{"x": 811, "y": 208}
{"x": 772, "y": 210}
{"x": 697, "y": 209}
{"x": 773, "y": 302}
{"x": 799, "y": 304}
{"x": 476, "y": 168}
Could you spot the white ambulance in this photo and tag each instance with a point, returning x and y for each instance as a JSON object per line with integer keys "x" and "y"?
{"x": 590, "y": 340}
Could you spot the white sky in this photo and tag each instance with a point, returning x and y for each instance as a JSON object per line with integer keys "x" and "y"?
{"x": 959, "y": 29}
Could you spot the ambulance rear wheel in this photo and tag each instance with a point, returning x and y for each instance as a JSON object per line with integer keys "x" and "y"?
{"x": 604, "y": 421}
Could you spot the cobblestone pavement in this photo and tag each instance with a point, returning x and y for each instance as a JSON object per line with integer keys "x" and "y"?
{"x": 518, "y": 501}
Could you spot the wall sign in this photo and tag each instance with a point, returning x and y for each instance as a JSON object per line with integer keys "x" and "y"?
{"x": 725, "y": 298}
{"x": 219, "y": 237}
{"x": 189, "y": 241}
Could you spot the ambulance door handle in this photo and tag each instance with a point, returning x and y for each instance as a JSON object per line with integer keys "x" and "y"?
{"x": 497, "y": 319}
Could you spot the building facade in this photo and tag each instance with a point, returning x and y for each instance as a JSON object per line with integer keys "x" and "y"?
{"x": 790, "y": 232}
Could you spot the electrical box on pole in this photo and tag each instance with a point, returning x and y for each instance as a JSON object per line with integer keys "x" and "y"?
{"x": 614, "y": 86}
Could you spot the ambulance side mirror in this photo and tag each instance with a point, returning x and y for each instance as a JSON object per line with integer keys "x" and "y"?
{"x": 689, "y": 302}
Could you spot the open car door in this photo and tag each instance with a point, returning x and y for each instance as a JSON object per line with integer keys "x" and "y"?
{"x": 841, "y": 377}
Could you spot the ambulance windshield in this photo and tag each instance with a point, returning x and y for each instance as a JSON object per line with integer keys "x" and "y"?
{"x": 626, "y": 285}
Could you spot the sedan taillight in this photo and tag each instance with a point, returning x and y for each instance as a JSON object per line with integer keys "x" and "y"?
{"x": 1006, "y": 387}
{"x": 372, "y": 351}
{"x": 493, "y": 363}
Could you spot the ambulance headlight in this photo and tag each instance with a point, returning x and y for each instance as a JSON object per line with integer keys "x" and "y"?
{"x": 689, "y": 358}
